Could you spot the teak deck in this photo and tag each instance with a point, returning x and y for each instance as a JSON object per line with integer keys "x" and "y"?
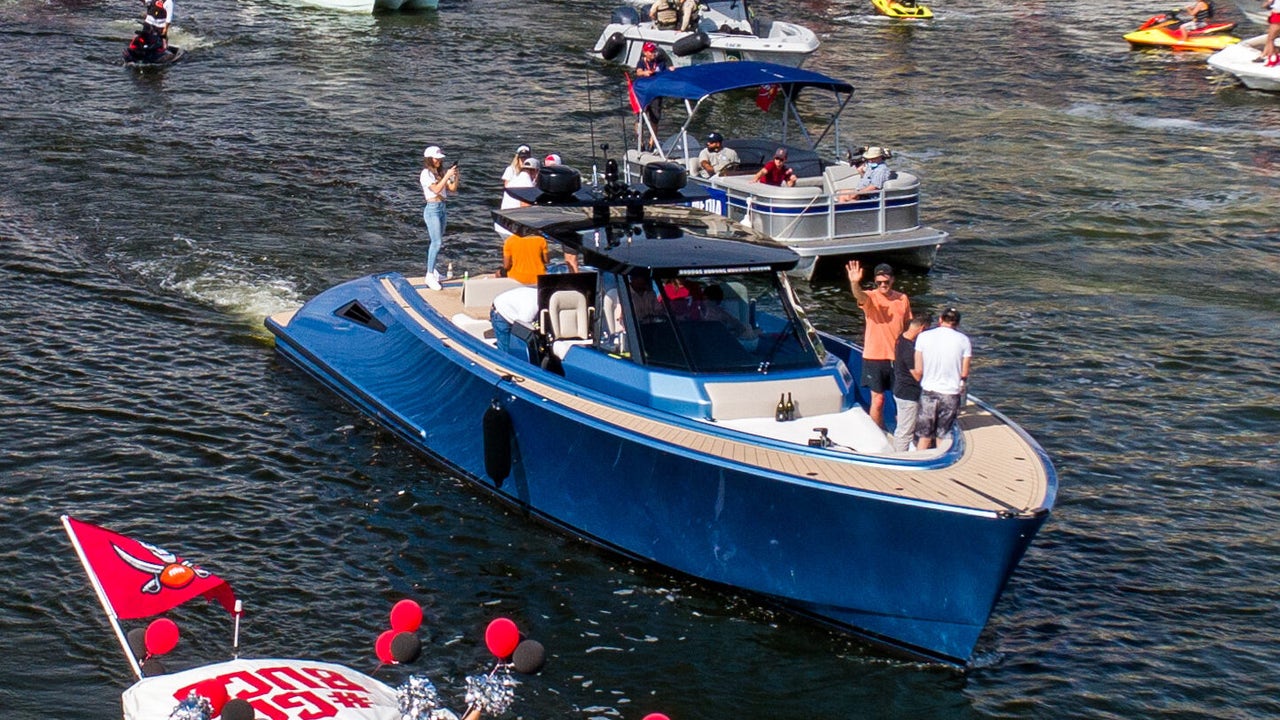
{"x": 999, "y": 471}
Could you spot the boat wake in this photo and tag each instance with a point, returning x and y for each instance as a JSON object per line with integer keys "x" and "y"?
{"x": 223, "y": 280}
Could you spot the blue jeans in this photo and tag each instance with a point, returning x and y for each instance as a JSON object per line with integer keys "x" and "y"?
{"x": 501, "y": 330}
{"x": 433, "y": 215}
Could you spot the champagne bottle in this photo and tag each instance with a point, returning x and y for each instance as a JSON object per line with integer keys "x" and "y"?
{"x": 791, "y": 408}
{"x": 780, "y": 414}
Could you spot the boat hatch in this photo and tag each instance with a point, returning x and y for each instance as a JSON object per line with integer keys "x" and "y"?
{"x": 357, "y": 313}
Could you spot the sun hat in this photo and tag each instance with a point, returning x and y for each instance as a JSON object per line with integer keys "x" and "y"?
{"x": 649, "y": 47}
{"x": 531, "y": 164}
{"x": 524, "y": 150}
{"x": 874, "y": 152}
{"x": 552, "y": 159}
{"x": 433, "y": 152}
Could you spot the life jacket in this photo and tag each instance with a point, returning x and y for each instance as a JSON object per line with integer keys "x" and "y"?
{"x": 668, "y": 13}
{"x": 156, "y": 9}
{"x": 1206, "y": 14}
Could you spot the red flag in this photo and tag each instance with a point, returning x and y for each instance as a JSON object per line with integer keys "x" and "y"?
{"x": 631, "y": 95}
{"x": 765, "y": 96}
{"x": 140, "y": 580}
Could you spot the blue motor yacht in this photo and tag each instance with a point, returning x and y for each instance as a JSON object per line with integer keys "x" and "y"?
{"x": 671, "y": 402}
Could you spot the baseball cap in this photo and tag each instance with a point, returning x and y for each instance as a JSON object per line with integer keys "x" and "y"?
{"x": 433, "y": 152}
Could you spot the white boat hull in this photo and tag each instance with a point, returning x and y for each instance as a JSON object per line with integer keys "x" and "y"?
{"x": 1241, "y": 60}
{"x": 789, "y": 45}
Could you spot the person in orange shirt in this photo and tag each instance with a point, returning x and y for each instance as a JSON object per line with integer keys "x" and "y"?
{"x": 524, "y": 258}
{"x": 888, "y": 312}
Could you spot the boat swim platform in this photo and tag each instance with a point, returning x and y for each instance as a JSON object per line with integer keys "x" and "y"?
{"x": 1000, "y": 470}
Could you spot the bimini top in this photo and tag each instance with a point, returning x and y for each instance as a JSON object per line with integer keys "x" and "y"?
{"x": 695, "y": 82}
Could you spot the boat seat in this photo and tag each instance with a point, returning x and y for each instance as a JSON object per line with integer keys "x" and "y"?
{"x": 478, "y": 328}
{"x": 736, "y": 302}
{"x": 820, "y": 395}
{"x": 613, "y": 323}
{"x": 569, "y": 318}
{"x": 479, "y": 292}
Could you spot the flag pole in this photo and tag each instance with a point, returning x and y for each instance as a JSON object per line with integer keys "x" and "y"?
{"x": 102, "y": 598}
{"x": 235, "y": 637}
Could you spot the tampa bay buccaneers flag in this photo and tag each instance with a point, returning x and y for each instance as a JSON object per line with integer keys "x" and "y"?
{"x": 135, "y": 579}
{"x": 631, "y": 95}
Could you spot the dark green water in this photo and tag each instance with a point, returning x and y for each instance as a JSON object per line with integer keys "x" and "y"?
{"x": 1116, "y": 265}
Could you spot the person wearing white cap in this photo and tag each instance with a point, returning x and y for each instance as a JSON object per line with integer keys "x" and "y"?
{"x": 874, "y": 176}
{"x": 524, "y": 152}
{"x": 526, "y": 178}
{"x": 437, "y": 184}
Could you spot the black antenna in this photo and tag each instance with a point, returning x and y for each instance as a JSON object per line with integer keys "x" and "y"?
{"x": 591, "y": 123}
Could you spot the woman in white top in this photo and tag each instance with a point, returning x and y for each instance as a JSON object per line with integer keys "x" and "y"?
{"x": 437, "y": 184}
{"x": 517, "y": 163}
{"x": 526, "y": 178}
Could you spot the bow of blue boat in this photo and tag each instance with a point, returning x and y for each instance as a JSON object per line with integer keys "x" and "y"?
{"x": 673, "y": 403}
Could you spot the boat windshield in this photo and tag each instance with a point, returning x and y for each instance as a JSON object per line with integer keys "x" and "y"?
{"x": 732, "y": 9}
{"x": 719, "y": 323}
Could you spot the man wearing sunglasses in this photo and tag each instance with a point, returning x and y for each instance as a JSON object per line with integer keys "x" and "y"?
{"x": 887, "y": 314}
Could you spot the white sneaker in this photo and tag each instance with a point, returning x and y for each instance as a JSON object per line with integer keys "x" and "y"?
{"x": 433, "y": 280}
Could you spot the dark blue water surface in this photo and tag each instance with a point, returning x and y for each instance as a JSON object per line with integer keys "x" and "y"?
{"x": 1117, "y": 266}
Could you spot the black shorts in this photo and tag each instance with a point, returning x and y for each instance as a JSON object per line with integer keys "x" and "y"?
{"x": 937, "y": 414}
{"x": 878, "y": 375}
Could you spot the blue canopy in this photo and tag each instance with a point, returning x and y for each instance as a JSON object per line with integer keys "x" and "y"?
{"x": 695, "y": 82}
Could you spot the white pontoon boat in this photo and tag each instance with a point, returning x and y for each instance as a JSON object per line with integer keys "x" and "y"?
{"x": 818, "y": 217}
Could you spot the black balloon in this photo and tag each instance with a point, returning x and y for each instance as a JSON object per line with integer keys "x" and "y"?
{"x": 138, "y": 642}
{"x": 237, "y": 709}
{"x": 153, "y": 667}
{"x": 529, "y": 657}
{"x": 405, "y": 647}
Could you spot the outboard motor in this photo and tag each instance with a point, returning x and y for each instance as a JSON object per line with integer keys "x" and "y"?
{"x": 625, "y": 15}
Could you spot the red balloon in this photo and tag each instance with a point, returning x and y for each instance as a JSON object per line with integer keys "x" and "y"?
{"x": 383, "y": 647}
{"x": 502, "y": 637}
{"x": 162, "y": 636}
{"x": 406, "y": 616}
{"x": 215, "y": 691}
{"x": 656, "y": 716}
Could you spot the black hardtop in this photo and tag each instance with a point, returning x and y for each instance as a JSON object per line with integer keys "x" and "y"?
{"x": 667, "y": 240}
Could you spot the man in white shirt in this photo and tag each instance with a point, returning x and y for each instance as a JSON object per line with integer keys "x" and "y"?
{"x": 942, "y": 367}
{"x": 515, "y": 305}
{"x": 715, "y": 157}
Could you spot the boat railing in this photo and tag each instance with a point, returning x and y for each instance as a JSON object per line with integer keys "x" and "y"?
{"x": 814, "y": 211}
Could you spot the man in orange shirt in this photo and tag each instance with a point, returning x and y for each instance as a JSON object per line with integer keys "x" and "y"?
{"x": 524, "y": 258}
{"x": 888, "y": 312}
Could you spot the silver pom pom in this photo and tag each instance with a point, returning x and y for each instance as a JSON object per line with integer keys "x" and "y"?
{"x": 418, "y": 698}
{"x": 492, "y": 693}
{"x": 194, "y": 707}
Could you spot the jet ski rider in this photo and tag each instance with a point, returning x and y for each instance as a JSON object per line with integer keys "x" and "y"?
{"x": 1201, "y": 12}
{"x": 159, "y": 15}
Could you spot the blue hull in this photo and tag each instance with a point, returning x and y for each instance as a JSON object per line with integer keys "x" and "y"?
{"x": 919, "y": 577}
